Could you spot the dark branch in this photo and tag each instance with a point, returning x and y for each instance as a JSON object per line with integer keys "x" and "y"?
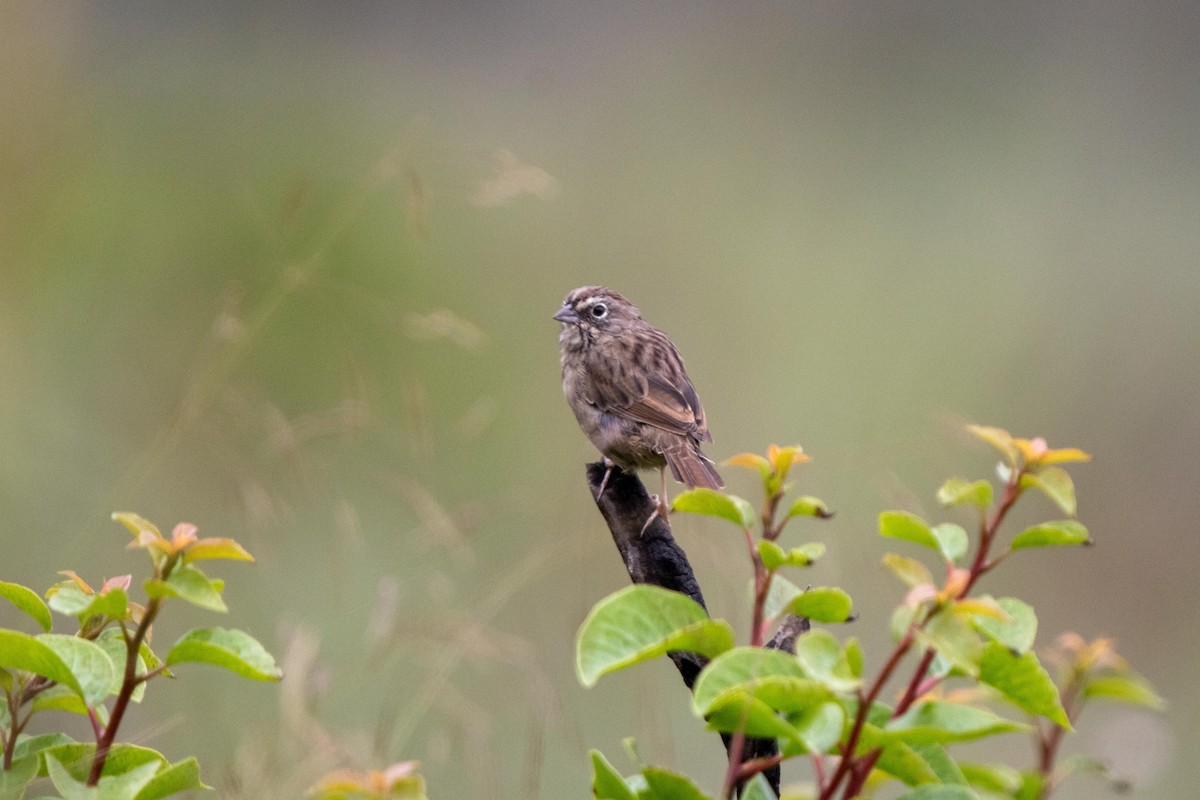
{"x": 653, "y": 556}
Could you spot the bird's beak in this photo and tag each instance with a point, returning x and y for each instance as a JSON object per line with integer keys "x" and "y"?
{"x": 567, "y": 314}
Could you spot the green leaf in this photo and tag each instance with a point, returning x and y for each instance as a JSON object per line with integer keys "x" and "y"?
{"x": 957, "y": 491}
{"x": 779, "y": 595}
{"x": 741, "y": 711}
{"x": 939, "y": 792}
{"x": 910, "y": 571}
{"x": 743, "y": 668}
{"x": 1018, "y": 631}
{"x": 945, "y": 721}
{"x": 1060, "y": 532}
{"x": 88, "y": 662}
{"x": 65, "y": 783}
{"x": 128, "y": 785}
{"x": 954, "y": 638}
{"x": 998, "y": 778}
{"x": 715, "y": 504}
{"x": 113, "y": 643}
{"x": 76, "y": 759}
{"x": 897, "y": 759}
{"x": 14, "y": 780}
{"x": 643, "y": 622}
{"x": 773, "y": 556}
{"x": 234, "y": 650}
{"x": 822, "y": 604}
{"x": 952, "y": 540}
{"x": 28, "y": 745}
{"x": 746, "y": 688}
{"x": 1023, "y": 681}
{"x": 22, "y": 651}
{"x": 68, "y": 599}
{"x": 607, "y": 783}
{"x": 178, "y": 777}
{"x": 27, "y": 600}
{"x": 809, "y": 507}
{"x": 945, "y": 767}
{"x": 821, "y": 727}
{"x": 1055, "y": 483}
{"x": 60, "y": 698}
{"x": 1130, "y": 688}
{"x": 114, "y": 785}
{"x": 824, "y": 660}
{"x": 758, "y": 789}
{"x": 190, "y": 584}
{"x": 854, "y": 656}
{"x": 215, "y": 548}
{"x": 667, "y": 785}
{"x": 1033, "y": 786}
{"x": 909, "y": 527}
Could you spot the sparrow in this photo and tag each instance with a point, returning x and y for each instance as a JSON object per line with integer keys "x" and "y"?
{"x": 625, "y": 382}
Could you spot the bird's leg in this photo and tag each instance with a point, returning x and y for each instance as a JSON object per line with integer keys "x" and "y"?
{"x": 661, "y": 508}
{"x": 608, "y": 464}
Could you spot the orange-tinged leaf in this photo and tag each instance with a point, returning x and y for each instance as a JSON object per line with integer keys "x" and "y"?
{"x": 141, "y": 528}
{"x": 998, "y": 438}
{"x": 216, "y": 548}
{"x": 751, "y": 460}
{"x": 1065, "y": 455}
{"x": 80, "y": 582}
{"x": 782, "y": 458}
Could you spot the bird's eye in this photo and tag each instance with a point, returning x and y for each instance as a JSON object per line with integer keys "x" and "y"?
{"x": 599, "y": 310}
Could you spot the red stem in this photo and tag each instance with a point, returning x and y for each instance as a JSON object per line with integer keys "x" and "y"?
{"x": 1049, "y": 743}
{"x": 737, "y": 746}
{"x": 130, "y": 682}
{"x": 860, "y": 718}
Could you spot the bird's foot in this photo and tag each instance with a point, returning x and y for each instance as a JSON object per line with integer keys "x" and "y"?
{"x": 660, "y": 510}
{"x": 608, "y": 464}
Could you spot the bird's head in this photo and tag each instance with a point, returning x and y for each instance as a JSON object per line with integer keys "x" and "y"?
{"x": 595, "y": 311}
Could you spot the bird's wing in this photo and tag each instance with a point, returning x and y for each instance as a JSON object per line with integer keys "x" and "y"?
{"x": 655, "y": 394}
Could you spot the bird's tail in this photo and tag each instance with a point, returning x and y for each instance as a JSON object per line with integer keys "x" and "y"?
{"x": 693, "y": 468}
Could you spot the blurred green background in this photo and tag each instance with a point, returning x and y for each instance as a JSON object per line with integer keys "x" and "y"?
{"x": 286, "y": 271}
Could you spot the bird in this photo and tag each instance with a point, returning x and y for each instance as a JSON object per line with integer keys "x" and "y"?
{"x": 624, "y": 379}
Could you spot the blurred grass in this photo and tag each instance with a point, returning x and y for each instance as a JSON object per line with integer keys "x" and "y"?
{"x": 228, "y": 234}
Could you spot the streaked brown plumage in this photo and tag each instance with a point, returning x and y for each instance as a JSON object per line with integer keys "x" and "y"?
{"x": 626, "y": 383}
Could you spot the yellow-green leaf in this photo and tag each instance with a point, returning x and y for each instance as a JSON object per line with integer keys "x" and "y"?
{"x": 822, "y": 604}
{"x": 216, "y": 548}
{"x": 27, "y": 600}
{"x": 957, "y": 491}
{"x": 808, "y": 506}
{"x": 642, "y": 622}
{"x": 1049, "y": 534}
{"x": 715, "y": 504}
{"x": 909, "y": 527}
{"x": 912, "y": 572}
{"x": 1055, "y": 483}
{"x": 998, "y": 438}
